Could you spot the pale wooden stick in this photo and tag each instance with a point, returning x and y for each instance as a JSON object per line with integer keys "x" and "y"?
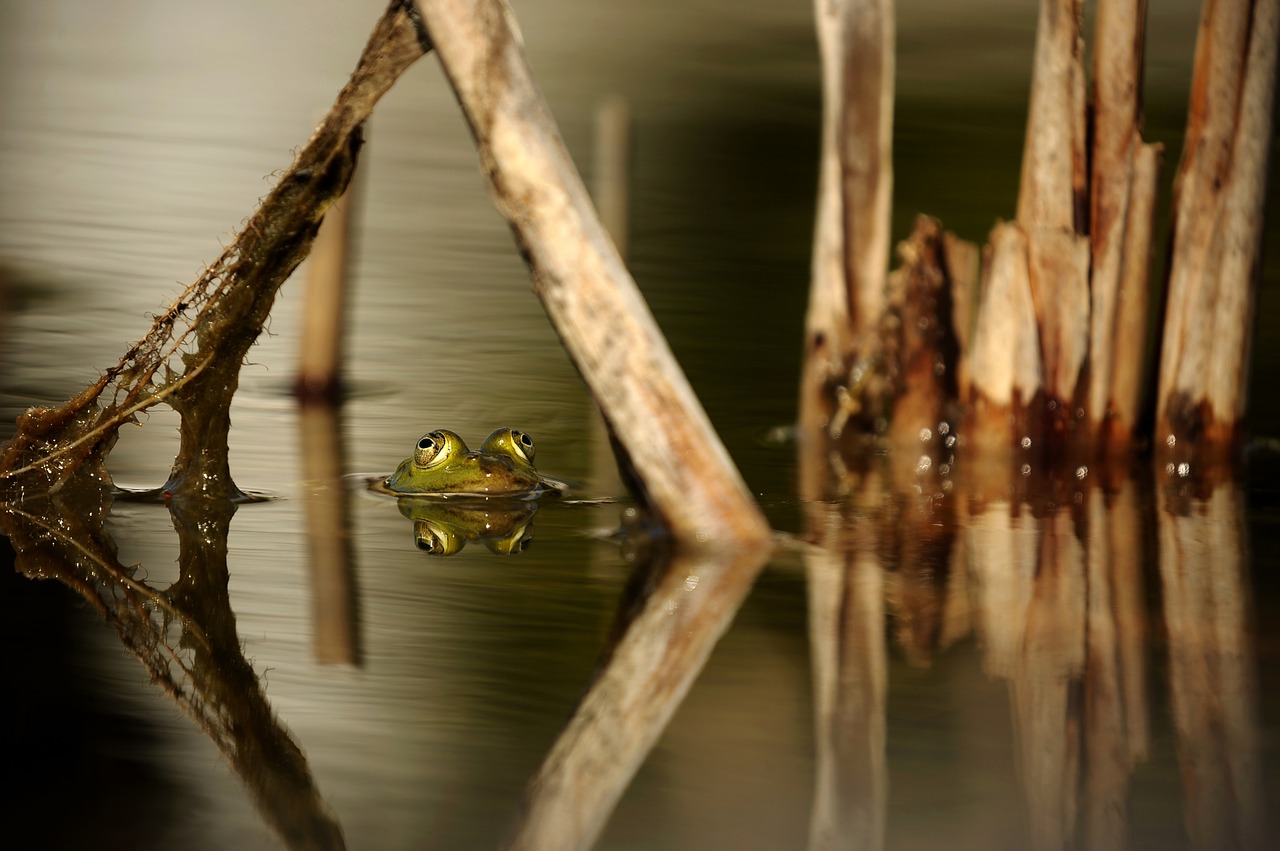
{"x": 1122, "y": 188}
{"x": 325, "y": 302}
{"x": 325, "y": 305}
{"x": 962, "y": 259}
{"x": 1220, "y": 191}
{"x": 1004, "y": 362}
{"x": 595, "y": 306}
{"x": 855, "y": 189}
{"x": 1052, "y": 194}
{"x": 1129, "y": 342}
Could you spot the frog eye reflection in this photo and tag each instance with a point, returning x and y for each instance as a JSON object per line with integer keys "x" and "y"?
{"x": 434, "y": 540}
{"x": 432, "y": 450}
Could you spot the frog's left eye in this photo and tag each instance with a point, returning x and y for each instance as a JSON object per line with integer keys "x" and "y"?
{"x": 432, "y": 450}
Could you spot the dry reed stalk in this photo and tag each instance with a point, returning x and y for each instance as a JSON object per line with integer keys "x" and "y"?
{"x": 1219, "y": 196}
{"x": 1212, "y": 679}
{"x": 1123, "y": 410}
{"x": 324, "y": 305}
{"x": 1122, "y": 203}
{"x": 1052, "y": 206}
{"x": 962, "y": 259}
{"x": 592, "y": 301}
{"x": 855, "y": 188}
{"x": 1004, "y": 360}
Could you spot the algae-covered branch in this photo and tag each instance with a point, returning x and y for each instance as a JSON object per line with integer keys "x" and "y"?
{"x": 191, "y": 357}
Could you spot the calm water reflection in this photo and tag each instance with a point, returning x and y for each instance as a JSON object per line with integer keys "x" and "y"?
{"x": 987, "y": 668}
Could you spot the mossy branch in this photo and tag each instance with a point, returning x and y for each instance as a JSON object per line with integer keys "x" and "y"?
{"x": 191, "y": 356}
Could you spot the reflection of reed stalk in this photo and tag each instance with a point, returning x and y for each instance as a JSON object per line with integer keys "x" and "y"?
{"x": 1211, "y": 667}
{"x": 847, "y": 643}
{"x": 684, "y": 610}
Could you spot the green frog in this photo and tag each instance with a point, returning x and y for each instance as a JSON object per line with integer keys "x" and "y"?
{"x": 442, "y": 465}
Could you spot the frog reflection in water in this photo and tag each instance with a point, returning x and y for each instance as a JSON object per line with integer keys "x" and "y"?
{"x": 443, "y": 466}
{"x": 442, "y": 529}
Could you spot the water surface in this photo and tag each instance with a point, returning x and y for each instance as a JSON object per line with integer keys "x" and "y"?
{"x": 983, "y": 669}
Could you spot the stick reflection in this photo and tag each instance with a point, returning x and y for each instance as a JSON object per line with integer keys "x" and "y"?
{"x": 1050, "y": 579}
{"x": 185, "y": 635}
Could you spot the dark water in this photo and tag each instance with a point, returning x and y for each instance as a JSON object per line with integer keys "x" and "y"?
{"x": 967, "y": 688}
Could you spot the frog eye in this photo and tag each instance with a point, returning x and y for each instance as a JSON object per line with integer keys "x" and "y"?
{"x": 432, "y": 450}
{"x": 522, "y": 444}
{"x": 511, "y": 442}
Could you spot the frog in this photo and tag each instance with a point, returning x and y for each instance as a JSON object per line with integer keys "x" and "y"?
{"x": 443, "y": 466}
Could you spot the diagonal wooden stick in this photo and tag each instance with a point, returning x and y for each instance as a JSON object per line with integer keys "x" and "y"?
{"x": 591, "y": 299}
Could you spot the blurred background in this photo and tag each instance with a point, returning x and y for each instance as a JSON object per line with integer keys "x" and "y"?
{"x": 135, "y": 137}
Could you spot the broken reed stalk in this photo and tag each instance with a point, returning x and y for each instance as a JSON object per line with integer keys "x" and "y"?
{"x": 324, "y": 307}
{"x": 1219, "y": 198}
{"x": 1122, "y": 193}
{"x": 1052, "y": 201}
{"x": 1054, "y": 357}
{"x": 191, "y": 357}
{"x": 855, "y": 191}
{"x": 591, "y": 299}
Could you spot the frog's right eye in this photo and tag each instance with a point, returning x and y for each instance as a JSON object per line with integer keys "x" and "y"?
{"x": 432, "y": 450}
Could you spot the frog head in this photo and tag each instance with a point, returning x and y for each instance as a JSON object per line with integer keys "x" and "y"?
{"x": 442, "y": 465}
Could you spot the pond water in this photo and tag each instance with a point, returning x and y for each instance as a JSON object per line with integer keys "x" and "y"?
{"x": 1070, "y": 665}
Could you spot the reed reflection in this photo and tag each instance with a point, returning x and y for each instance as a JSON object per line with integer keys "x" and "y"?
{"x": 675, "y": 611}
{"x": 1048, "y": 574}
{"x": 185, "y": 636}
{"x": 335, "y": 610}
{"x": 1213, "y": 685}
